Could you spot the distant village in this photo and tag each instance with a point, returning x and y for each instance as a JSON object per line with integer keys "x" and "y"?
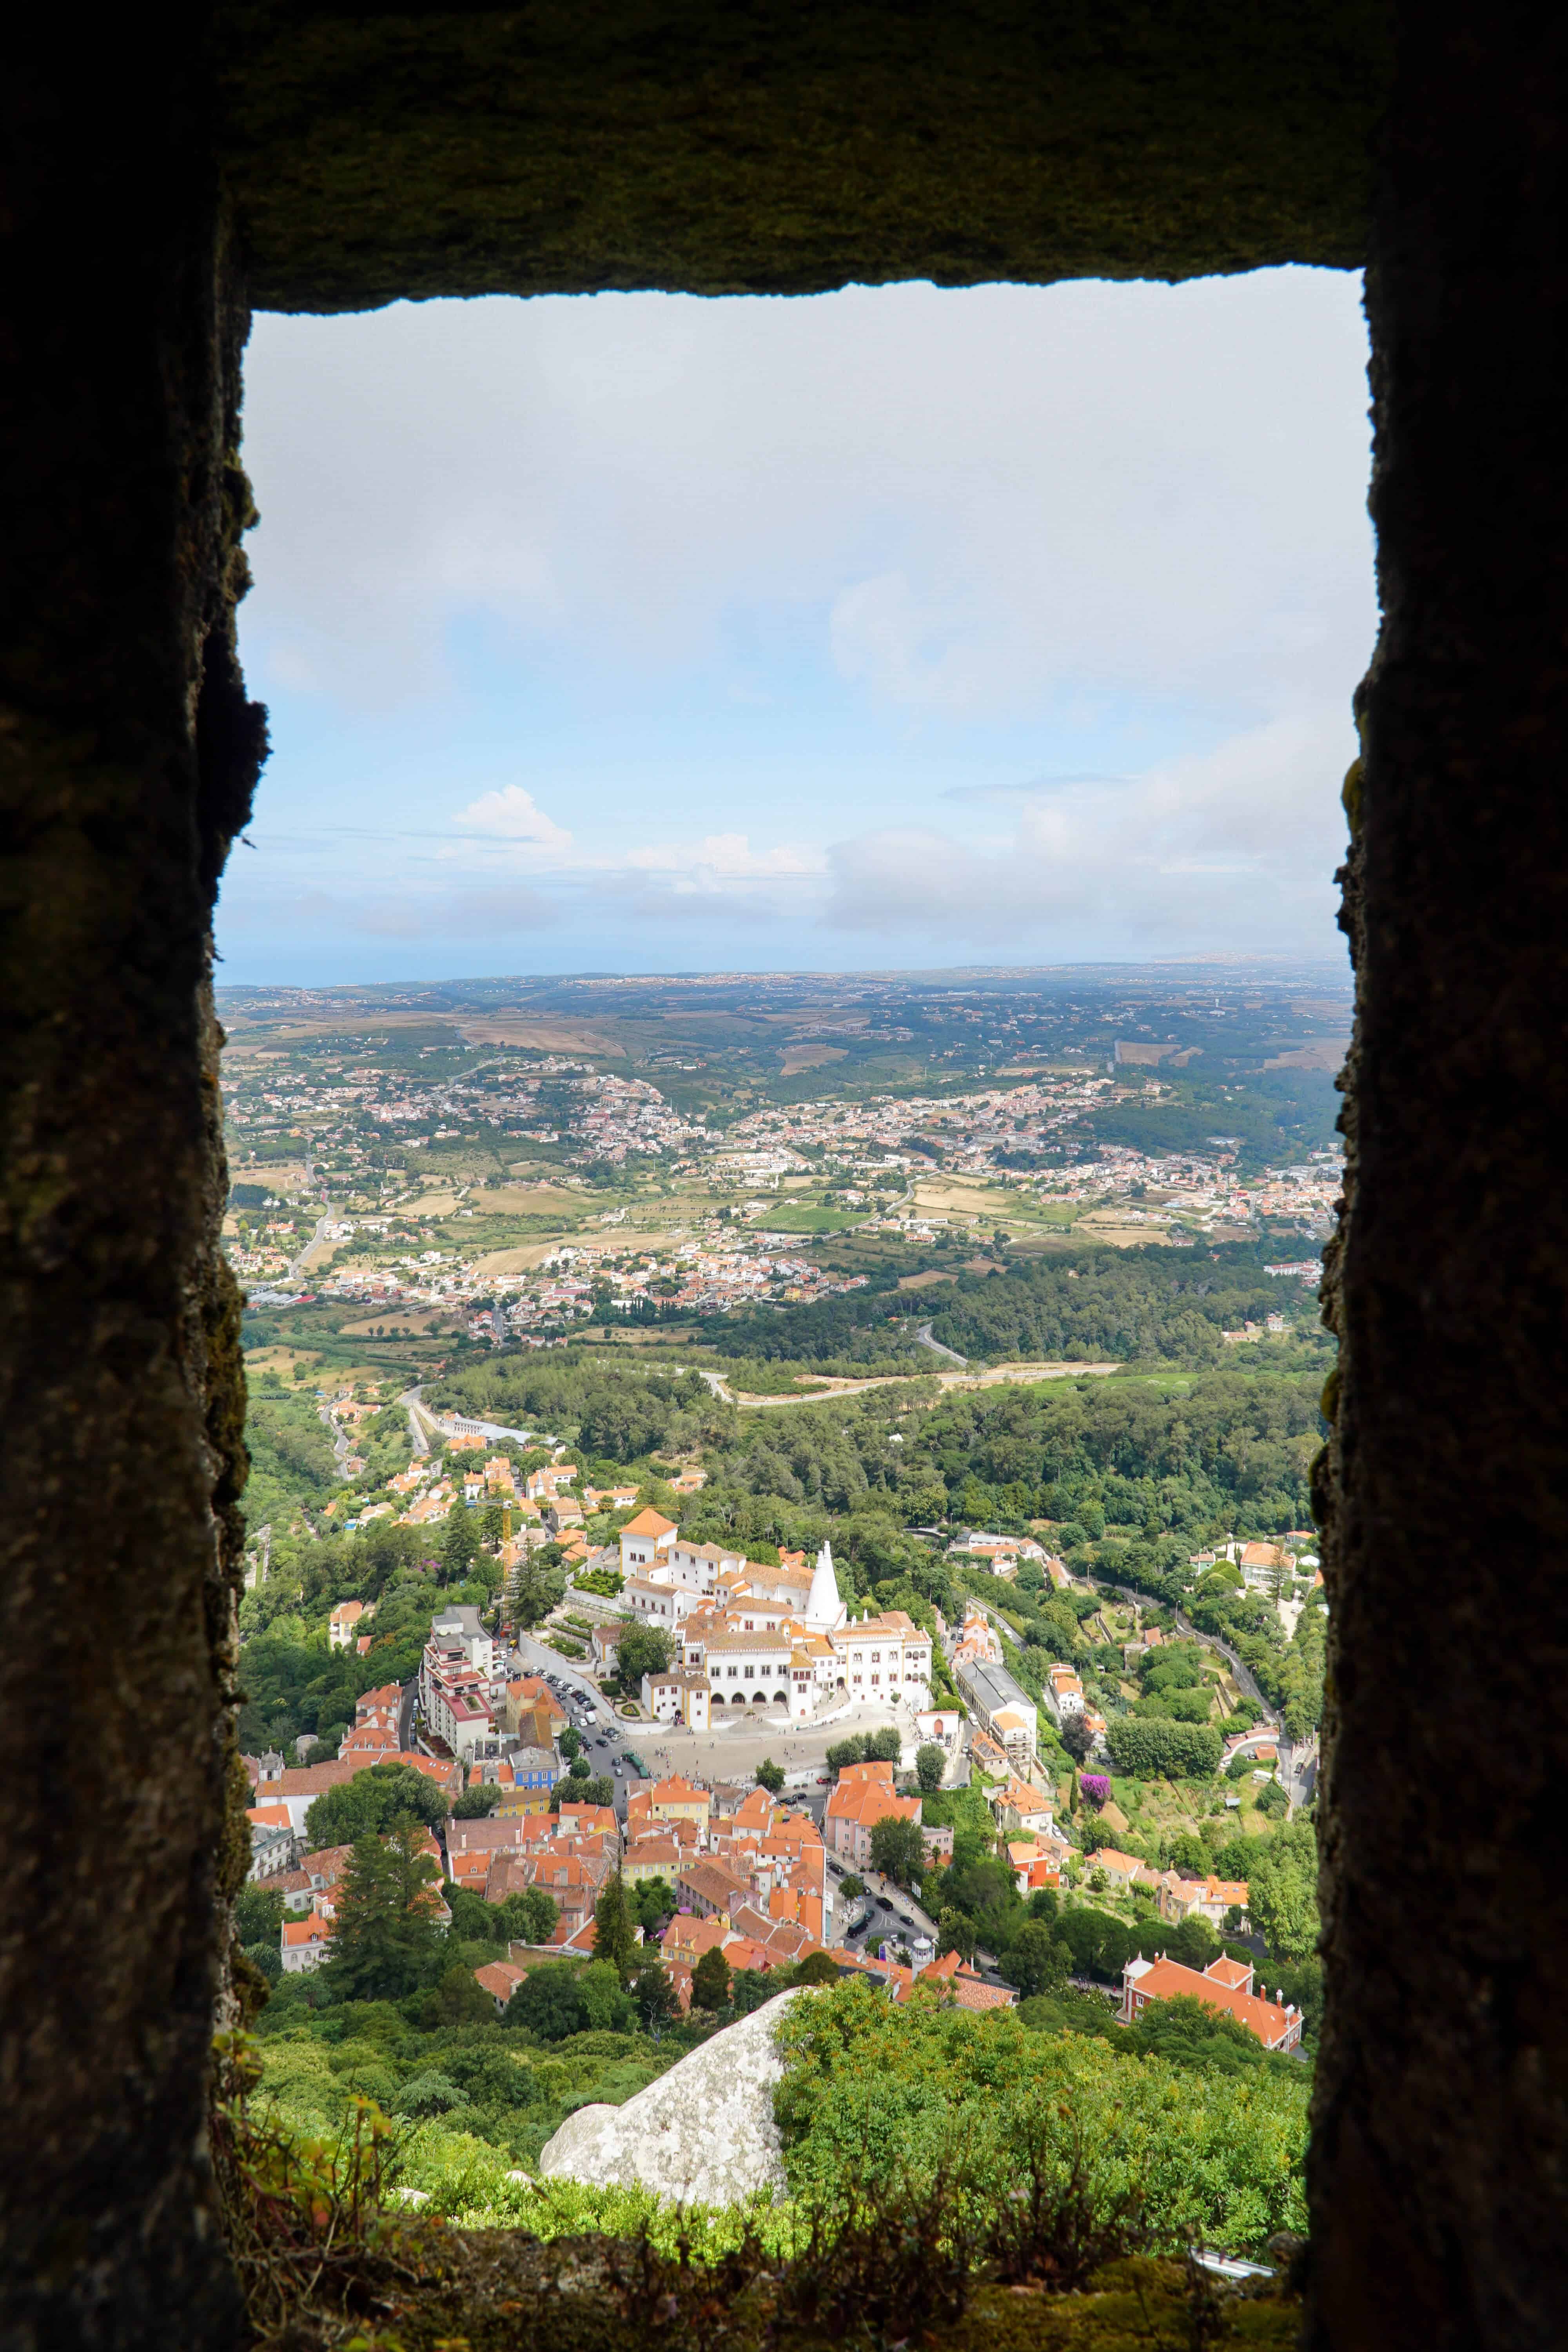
{"x": 871, "y": 1154}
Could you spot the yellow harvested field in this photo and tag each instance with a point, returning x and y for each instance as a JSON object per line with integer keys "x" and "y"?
{"x": 924, "y": 1281}
{"x": 521, "y": 1260}
{"x": 525, "y": 1201}
{"x": 548, "y": 1036}
{"x": 999, "y": 1375}
{"x": 396, "y": 1322}
{"x": 806, "y": 1057}
{"x": 280, "y": 1358}
{"x": 281, "y": 1177}
{"x": 957, "y": 1196}
{"x": 1317, "y": 1053}
{"x": 1114, "y": 1225}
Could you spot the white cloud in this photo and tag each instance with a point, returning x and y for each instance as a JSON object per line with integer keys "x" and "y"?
{"x": 508, "y": 814}
{"x": 973, "y": 498}
{"x": 1237, "y": 847}
{"x": 725, "y": 858}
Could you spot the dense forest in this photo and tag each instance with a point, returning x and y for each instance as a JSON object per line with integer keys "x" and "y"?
{"x": 1276, "y": 1117}
{"x": 1143, "y": 1305}
{"x": 1231, "y": 1450}
{"x": 1152, "y": 1305}
{"x": 620, "y": 1412}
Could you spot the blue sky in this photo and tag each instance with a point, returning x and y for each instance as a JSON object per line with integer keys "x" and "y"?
{"x": 891, "y": 627}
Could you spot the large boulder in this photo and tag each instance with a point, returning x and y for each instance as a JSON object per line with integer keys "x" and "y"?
{"x": 703, "y": 2134}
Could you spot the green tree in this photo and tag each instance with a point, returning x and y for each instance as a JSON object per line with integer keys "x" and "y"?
{"x": 1187, "y": 2032}
{"x": 770, "y": 1776}
{"x": 655, "y": 1995}
{"x": 476, "y": 1804}
{"x": 711, "y": 1981}
{"x": 533, "y": 1594}
{"x": 850, "y": 1884}
{"x": 615, "y": 1937}
{"x": 1147, "y": 1747}
{"x": 473, "y": 1921}
{"x": 1037, "y": 1960}
{"x": 652, "y": 1901}
{"x": 607, "y": 2005}
{"x": 373, "y": 1802}
{"x": 883, "y": 1747}
{"x": 460, "y": 1540}
{"x": 548, "y": 2003}
{"x": 430, "y": 2093}
{"x": 384, "y": 1940}
{"x": 1193, "y": 1943}
{"x": 529, "y": 1917}
{"x": 642, "y": 1650}
{"x": 898, "y": 1850}
{"x": 570, "y": 1742}
{"x": 817, "y": 1969}
{"x": 462, "y": 2000}
{"x": 257, "y": 1916}
{"x": 1282, "y": 1893}
{"x": 931, "y": 1763}
{"x": 1075, "y": 1736}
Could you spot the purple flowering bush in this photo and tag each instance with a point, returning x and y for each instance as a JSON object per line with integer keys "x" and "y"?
{"x": 1096, "y": 1787}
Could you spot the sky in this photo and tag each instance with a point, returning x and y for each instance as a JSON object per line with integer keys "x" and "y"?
{"x": 891, "y": 628}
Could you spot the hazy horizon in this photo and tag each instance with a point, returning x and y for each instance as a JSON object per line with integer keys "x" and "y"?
{"x": 1330, "y": 970}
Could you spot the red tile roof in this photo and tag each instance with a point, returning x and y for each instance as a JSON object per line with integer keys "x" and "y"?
{"x": 1164, "y": 1980}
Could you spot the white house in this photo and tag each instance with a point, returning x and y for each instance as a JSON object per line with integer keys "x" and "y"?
{"x": 343, "y": 1626}
{"x": 645, "y": 1539}
{"x": 679, "y": 1695}
{"x": 458, "y": 1711}
{"x": 942, "y": 1724}
{"x": 748, "y": 1669}
{"x": 649, "y": 1596}
{"x": 305, "y": 1943}
{"x": 886, "y": 1658}
{"x": 1063, "y": 1693}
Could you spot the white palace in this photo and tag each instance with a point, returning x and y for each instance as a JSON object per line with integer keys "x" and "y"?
{"x": 744, "y": 1635}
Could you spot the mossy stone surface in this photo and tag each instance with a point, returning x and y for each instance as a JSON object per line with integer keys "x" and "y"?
{"x": 788, "y": 146}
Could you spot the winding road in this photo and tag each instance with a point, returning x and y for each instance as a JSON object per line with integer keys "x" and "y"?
{"x": 925, "y": 1341}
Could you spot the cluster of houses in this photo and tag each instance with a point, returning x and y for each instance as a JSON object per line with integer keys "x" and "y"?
{"x": 747, "y": 1874}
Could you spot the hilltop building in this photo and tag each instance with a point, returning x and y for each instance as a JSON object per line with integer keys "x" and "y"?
{"x": 756, "y": 1634}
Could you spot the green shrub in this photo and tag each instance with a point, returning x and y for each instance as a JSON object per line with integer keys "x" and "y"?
{"x": 872, "y": 2093}
{"x": 1148, "y": 1748}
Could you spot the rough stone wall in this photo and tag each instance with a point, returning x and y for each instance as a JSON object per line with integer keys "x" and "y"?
{"x": 786, "y": 146}
{"x": 1439, "y": 2170}
{"x": 454, "y": 151}
{"x": 127, "y": 756}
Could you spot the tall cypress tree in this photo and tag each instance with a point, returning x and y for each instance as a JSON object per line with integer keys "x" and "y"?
{"x": 385, "y": 1940}
{"x": 615, "y": 1936}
